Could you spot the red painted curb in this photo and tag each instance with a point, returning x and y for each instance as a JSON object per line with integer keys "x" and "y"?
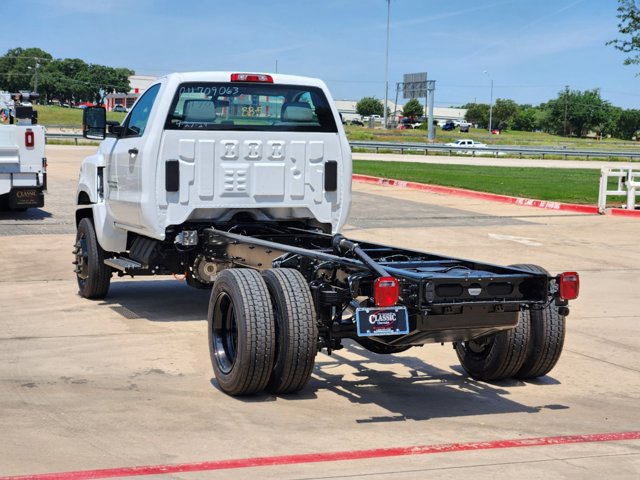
{"x": 329, "y": 457}
{"x": 492, "y": 197}
{"x": 621, "y": 212}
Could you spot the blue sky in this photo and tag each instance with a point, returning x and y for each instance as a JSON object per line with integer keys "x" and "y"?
{"x": 530, "y": 48}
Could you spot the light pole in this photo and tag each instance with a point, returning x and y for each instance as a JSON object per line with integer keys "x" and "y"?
{"x": 35, "y": 82}
{"x": 490, "y": 102}
{"x": 386, "y": 67}
{"x": 35, "y": 85}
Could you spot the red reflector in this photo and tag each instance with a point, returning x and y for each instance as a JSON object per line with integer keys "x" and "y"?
{"x": 29, "y": 139}
{"x": 251, "y": 77}
{"x": 386, "y": 291}
{"x": 569, "y": 285}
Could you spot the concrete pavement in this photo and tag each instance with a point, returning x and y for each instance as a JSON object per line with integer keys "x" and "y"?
{"x": 127, "y": 381}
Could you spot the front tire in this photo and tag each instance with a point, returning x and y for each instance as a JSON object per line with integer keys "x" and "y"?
{"x": 498, "y": 356}
{"x": 296, "y": 330}
{"x": 92, "y": 274}
{"x": 241, "y": 332}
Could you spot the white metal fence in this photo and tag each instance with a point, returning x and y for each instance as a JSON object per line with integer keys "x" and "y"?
{"x": 627, "y": 183}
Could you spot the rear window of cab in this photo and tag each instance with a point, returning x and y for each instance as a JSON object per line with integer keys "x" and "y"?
{"x": 249, "y": 106}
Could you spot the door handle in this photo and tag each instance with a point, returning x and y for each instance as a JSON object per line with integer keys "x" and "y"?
{"x": 133, "y": 151}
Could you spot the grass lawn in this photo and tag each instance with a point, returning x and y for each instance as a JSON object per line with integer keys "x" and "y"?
{"x": 69, "y": 117}
{"x": 556, "y": 184}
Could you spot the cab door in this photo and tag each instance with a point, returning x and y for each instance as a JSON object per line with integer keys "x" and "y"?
{"x": 124, "y": 169}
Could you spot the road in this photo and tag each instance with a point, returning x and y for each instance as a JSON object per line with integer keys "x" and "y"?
{"x": 127, "y": 381}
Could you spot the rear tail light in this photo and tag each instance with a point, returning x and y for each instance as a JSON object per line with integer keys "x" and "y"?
{"x": 29, "y": 139}
{"x": 251, "y": 77}
{"x": 386, "y": 291}
{"x": 569, "y": 285}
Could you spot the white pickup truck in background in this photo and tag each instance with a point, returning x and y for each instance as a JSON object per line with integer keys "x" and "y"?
{"x": 22, "y": 158}
{"x": 467, "y": 146}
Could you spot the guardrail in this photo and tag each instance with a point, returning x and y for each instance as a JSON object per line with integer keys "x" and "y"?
{"x": 490, "y": 150}
{"x": 493, "y": 150}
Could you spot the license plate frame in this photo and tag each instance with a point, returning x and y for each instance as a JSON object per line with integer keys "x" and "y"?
{"x": 382, "y": 321}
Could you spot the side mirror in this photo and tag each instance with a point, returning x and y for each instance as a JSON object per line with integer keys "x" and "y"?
{"x": 94, "y": 123}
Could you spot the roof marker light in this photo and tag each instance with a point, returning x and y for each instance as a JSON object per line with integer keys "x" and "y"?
{"x": 251, "y": 77}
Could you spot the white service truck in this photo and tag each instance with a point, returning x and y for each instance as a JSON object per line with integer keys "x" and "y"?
{"x": 23, "y": 165}
{"x": 242, "y": 182}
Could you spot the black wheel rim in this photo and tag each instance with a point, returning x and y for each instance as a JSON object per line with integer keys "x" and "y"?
{"x": 225, "y": 333}
{"x": 82, "y": 260}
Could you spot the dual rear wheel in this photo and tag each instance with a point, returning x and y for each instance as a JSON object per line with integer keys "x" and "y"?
{"x": 530, "y": 350}
{"x": 262, "y": 331}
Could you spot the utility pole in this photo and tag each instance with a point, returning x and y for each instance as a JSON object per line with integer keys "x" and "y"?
{"x": 490, "y": 102}
{"x": 386, "y": 68}
{"x": 566, "y": 107}
{"x": 431, "y": 90}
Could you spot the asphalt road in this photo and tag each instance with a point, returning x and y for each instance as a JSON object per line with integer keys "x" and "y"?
{"x": 127, "y": 381}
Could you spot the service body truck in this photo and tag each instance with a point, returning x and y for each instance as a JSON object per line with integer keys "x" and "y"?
{"x": 22, "y": 158}
{"x": 242, "y": 183}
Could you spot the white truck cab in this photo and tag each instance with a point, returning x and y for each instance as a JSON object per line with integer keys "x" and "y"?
{"x": 206, "y": 147}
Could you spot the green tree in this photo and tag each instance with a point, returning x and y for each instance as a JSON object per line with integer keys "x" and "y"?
{"x": 368, "y": 106}
{"x": 628, "y": 124}
{"x": 504, "y": 112}
{"x": 629, "y": 26}
{"x": 477, "y": 113}
{"x": 108, "y": 79}
{"x": 413, "y": 109}
{"x": 18, "y": 68}
{"x": 609, "y": 124}
{"x": 526, "y": 118}
{"x": 585, "y": 111}
{"x": 67, "y": 80}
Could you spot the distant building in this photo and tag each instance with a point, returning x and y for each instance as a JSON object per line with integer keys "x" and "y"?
{"x": 441, "y": 114}
{"x": 139, "y": 84}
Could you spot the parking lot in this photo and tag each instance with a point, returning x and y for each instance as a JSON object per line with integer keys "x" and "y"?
{"x": 127, "y": 382}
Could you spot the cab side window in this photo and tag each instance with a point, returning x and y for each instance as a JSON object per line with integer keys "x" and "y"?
{"x": 139, "y": 116}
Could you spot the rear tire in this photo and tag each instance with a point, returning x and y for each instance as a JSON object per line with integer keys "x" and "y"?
{"x": 93, "y": 275}
{"x": 296, "y": 330}
{"x": 498, "y": 356}
{"x": 547, "y": 336}
{"x": 241, "y": 332}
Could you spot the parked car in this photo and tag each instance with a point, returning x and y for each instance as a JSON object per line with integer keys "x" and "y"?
{"x": 464, "y": 127}
{"x": 119, "y": 108}
{"x": 355, "y": 121}
{"x": 409, "y": 123}
{"x": 449, "y": 125}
